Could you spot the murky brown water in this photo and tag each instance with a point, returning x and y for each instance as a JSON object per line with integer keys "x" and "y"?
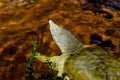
{"x": 23, "y": 23}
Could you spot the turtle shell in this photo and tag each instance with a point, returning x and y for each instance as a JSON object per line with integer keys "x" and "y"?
{"x": 92, "y": 63}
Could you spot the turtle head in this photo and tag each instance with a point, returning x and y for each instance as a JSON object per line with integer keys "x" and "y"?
{"x": 64, "y": 39}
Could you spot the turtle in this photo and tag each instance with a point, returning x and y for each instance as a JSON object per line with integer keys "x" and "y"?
{"x": 79, "y": 61}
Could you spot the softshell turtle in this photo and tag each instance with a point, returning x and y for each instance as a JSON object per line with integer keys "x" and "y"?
{"x": 81, "y": 62}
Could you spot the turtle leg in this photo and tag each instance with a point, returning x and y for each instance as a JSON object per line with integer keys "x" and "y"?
{"x": 45, "y": 59}
{"x": 57, "y": 60}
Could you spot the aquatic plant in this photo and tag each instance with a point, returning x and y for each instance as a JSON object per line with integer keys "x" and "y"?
{"x": 31, "y": 74}
{"x": 44, "y": 74}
